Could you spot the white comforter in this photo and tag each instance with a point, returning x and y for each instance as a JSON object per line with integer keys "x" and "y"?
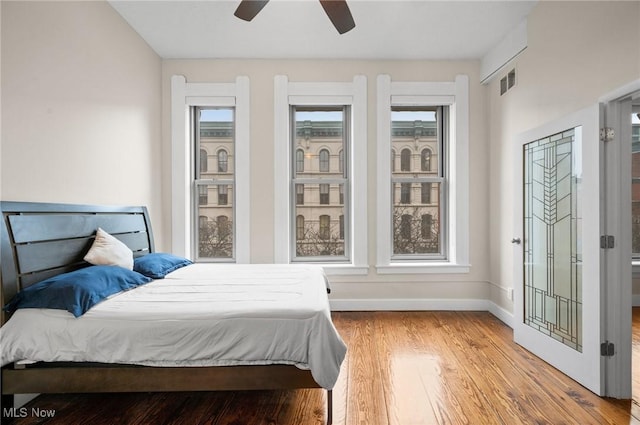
{"x": 200, "y": 315}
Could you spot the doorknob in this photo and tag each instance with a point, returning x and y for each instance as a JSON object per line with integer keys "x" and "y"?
{"x": 516, "y": 241}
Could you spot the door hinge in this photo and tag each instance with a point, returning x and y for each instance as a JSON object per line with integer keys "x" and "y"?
{"x": 607, "y": 134}
{"x": 607, "y": 349}
{"x": 607, "y": 241}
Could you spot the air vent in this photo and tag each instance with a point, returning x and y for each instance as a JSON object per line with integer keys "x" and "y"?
{"x": 507, "y": 82}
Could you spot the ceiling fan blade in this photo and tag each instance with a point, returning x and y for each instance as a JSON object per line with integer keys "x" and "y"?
{"x": 339, "y": 13}
{"x": 248, "y": 9}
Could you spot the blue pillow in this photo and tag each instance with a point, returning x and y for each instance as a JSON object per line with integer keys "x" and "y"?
{"x": 158, "y": 264}
{"x": 77, "y": 291}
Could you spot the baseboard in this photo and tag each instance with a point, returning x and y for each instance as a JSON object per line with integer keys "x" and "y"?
{"x": 407, "y": 304}
{"x": 505, "y": 316}
{"x": 422, "y": 305}
{"x": 635, "y": 300}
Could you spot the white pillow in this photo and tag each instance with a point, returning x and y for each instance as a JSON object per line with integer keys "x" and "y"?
{"x": 106, "y": 250}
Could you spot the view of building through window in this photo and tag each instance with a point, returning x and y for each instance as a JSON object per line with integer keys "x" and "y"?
{"x": 417, "y": 181}
{"x": 214, "y": 182}
{"x": 320, "y": 182}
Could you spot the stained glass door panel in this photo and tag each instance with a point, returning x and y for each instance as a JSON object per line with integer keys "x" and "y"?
{"x": 552, "y": 229}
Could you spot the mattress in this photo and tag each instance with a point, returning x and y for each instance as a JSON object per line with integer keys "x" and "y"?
{"x": 199, "y": 315}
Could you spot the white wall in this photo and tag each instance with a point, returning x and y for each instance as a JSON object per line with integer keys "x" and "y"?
{"x": 423, "y": 288}
{"x": 577, "y": 52}
{"x": 81, "y": 102}
{"x": 82, "y": 121}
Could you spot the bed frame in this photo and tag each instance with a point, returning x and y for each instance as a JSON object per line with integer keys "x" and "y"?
{"x": 40, "y": 240}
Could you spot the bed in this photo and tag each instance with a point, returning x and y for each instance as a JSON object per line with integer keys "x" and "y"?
{"x": 238, "y": 327}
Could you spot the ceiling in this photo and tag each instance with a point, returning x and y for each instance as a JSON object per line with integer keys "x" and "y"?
{"x": 300, "y": 29}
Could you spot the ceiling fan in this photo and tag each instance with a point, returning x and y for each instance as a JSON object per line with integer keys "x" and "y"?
{"x": 337, "y": 11}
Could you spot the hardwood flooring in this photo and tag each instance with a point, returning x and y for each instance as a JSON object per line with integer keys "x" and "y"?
{"x": 402, "y": 368}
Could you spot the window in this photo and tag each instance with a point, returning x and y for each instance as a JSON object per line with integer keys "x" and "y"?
{"x": 424, "y": 126}
{"x": 324, "y": 194}
{"x": 299, "y": 160}
{"x": 204, "y": 161}
{"x": 393, "y": 160}
{"x": 300, "y": 227}
{"x": 223, "y": 158}
{"x": 425, "y": 195}
{"x": 426, "y": 226}
{"x": 300, "y": 194}
{"x": 213, "y": 130}
{"x": 405, "y": 193}
{"x": 203, "y": 195}
{"x": 425, "y": 160}
{"x": 210, "y": 117}
{"x": 223, "y": 193}
{"x": 328, "y": 121}
{"x": 325, "y": 233}
{"x": 329, "y": 129}
{"x": 426, "y": 232}
{"x": 324, "y": 161}
{"x": 405, "y": 160}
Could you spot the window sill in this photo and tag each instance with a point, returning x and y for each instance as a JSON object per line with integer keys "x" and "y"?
{"x": 344, "y": 269}
{"x": 417, "y": 268}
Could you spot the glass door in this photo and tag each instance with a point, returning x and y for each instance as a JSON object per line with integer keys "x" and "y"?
{"x": 557, "y": 271}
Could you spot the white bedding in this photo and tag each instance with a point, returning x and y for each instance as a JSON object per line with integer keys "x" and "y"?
{"x": 199, "y": 315}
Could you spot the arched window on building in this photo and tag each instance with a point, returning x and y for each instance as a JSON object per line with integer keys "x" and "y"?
{"x": 204, "y": 163}
{"x": 405, "y": 160}
{"x": 393, "y": 160}
{"x": 224, "y": 229}
{"x": 341, "y": 161}
{"x": 325, "y": 227}
{"x": 202, "y": 221}
{"x": 425, "y": 160}
{"x": 299, "y": 227}
{"x": 299, "y": 161}
{"x": 223, "y": 161}
{"x": 425, "y": 226}
{"x": 324, "y": 160}
{"x": 405, "y": 226}
{"x": 341, "y": 226}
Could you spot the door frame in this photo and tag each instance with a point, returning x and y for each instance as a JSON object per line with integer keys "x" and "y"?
{"x": 617, "y": 299}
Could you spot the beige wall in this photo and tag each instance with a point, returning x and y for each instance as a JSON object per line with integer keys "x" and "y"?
{"x": 81, "y": 98}
{"x": 577, "y": 52}
{"x": 85, "y": 118}
{"x": 261, "y": 74}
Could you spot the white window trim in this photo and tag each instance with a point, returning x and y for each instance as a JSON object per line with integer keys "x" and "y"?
{"x": 455, "y": 95}
{"x": 313, "y": 94}
{"x": 183, "y": 96}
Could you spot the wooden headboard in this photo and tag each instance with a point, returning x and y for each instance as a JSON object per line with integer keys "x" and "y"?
{"x": 40, "y": 240}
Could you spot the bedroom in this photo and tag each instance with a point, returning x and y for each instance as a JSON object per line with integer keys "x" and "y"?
{"x": 86, "y": 103}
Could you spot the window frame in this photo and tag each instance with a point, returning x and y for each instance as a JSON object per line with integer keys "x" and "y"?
{"x": 184, "y": 219}
{"x": 317, "y": 94}
{"x": 455, "y": 96}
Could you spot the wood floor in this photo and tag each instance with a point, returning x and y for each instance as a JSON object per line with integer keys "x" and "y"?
{"x": 402, "y": 368}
